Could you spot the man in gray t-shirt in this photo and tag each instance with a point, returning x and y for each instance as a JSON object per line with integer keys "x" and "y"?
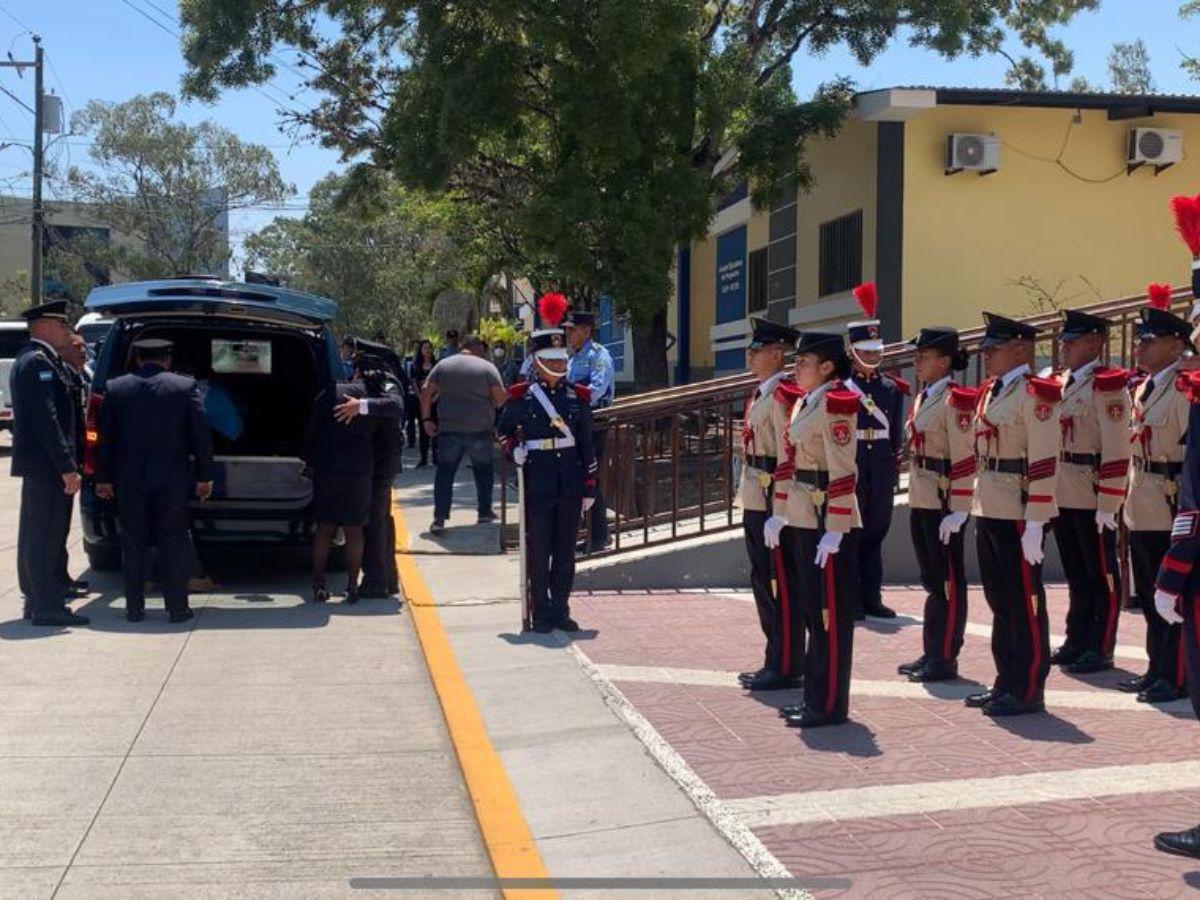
{"x": 468, "y": 390}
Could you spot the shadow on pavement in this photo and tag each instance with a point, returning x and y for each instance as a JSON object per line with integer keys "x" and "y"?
{"x": 1046, "y": 727}
{"x": 852, "y": 738}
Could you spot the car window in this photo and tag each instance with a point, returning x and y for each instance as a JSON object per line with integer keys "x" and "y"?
{"x": 11, "y": 342}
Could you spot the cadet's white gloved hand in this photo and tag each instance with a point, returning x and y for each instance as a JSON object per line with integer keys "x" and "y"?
{"x": 772, "y": 529}
{"x": 951, "y": 525}
{"x": 830, "y": 543}
{"x": 1105, "y": 520}
{"x": 1031, "y": 543}
{"x": 588, "y": 503}
{"x": 1165, "y": 604}
{"x": 519, "y": 454}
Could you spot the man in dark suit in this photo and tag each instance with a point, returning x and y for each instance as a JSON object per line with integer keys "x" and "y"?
{"x": 74, "y": 354}
{"x": 151, "y": 422}
{"x": 43, "y": 455}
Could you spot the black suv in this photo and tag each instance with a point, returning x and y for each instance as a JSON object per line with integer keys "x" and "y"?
{"x": 261, "y": 354}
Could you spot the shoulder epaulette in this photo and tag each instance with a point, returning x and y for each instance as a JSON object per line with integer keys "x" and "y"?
{"x": 518, "y": 390}
{"x": 901, "y": 385}
{"x": 1044, "y": 389}
{"x": 841, "y": 402}
{"x": 964, "y": 398}
{"x": 1193, "y": 385}
{"x": 583, "y": 392}
{"x": 787, "y": 392}
{"x": 1109, "y": 380}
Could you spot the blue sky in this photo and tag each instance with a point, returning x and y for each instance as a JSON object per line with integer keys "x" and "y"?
{"x": 104, "y": 49}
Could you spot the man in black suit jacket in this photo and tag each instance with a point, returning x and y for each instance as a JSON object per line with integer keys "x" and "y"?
{"x": 43, "y": 455}
{"x": 151, "y": 422}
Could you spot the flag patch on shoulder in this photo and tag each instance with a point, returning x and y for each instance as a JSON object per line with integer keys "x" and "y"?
{"x": 45, "y": 376}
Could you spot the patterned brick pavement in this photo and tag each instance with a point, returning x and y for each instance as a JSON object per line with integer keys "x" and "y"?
{"x": 917, "y": 796}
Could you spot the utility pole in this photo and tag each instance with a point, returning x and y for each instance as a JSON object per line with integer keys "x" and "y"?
{"x": 35, "y": 264}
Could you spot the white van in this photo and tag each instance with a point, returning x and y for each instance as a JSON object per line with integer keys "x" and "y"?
{"x": 13, "y": 336}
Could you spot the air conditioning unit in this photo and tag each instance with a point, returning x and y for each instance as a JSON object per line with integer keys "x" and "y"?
{"x": 972, "y": 153}
{"x": 1158, "y": 147}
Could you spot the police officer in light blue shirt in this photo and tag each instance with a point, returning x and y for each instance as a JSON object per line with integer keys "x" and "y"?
{"x": 592, "y": 366}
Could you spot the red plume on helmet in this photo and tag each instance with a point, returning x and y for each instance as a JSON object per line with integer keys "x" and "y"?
{"x": 552, "y": 308}
{"x": 868, "y": 298}
{"x": 1160, "y": 296}
{"x": 1187, "y": 221}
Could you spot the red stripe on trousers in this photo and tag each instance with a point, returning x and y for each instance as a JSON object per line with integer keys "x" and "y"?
{"x": 781, "y": 581}
{"x": 1110, "y": 625}
{"x": 1035, "y": 663}
{"x": 831, "y": 635}
{"x": 951, "y": 601}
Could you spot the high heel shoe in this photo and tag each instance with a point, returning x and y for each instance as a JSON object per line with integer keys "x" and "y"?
{"x": 320, "y": 593}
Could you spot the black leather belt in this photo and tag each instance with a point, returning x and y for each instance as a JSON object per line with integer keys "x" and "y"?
{"x": 1081, "y": 459}
{"x": 762, "y": 463}
{"x": 1004, "y": 466}
{"x": 812, "y": 478}
{"x": 1165, "y": 469}
{"x": 933, "y": 464}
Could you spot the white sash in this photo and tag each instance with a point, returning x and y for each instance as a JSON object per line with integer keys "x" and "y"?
{"x": 544, "y": 402}
{"x": 870, "y": 406}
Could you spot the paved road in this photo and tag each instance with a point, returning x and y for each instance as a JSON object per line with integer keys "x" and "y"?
{"x": 267, "y": 748}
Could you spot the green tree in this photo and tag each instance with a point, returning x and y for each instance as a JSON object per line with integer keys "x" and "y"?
{"x": 593, "y": 135}
{"x": 162, "y": 186}
{"x": 1129, "y": 68}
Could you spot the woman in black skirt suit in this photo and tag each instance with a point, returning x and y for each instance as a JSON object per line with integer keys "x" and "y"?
{"x": 339, "y": 458}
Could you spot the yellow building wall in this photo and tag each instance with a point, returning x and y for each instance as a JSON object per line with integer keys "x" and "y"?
{"x": 704, "y": 301}
{"x": 1085, "y": 232}
{"x": 757, "y": 233}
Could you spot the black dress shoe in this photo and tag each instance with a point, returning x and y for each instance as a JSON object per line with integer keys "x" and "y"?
{"x": 813, "y": 719}
{"x": 542, "y": 627}
{"x": 773, "y": 681}
{"x": 794, "y": 709}
{"x": 568, "y": 625}
{"x": 351, "y": 598}
{"x": 1161, "y": 692}
{"x": 1135, "y": 685}
{"x": 906, "y": 668}
{"x": 1008, "y": 705}
{"x": 980, "y": 700}
{"x": 879, "y": 611}
{"x": 935, "y": 670}
{"x": 1181, "y": 843}
{"x": 135, "y": 615}
{"x": 1064, "y": 655}
{"x": 1089, "y": 661}
{"x": 181, "y": 616}
{"x": 371, "y": 592}
{"x": 63, "y": 619}
{"x": 743, "y": 677}
{"x": 78, "y": 584}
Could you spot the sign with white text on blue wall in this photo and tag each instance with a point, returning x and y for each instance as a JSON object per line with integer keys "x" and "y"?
{"x": 731, "y": 276}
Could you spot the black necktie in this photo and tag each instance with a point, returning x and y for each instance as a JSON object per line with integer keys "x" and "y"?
{"x": 1147, "y": 389}
{"x": 996, "y": 388}
{"x": 1070, "y": 379}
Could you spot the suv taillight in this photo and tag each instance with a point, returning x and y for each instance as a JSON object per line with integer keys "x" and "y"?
{"x": 91, "y": 432}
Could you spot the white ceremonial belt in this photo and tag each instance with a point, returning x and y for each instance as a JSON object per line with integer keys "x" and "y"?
{"x": 560, "y": 443}
{"x": 872, "y": 434}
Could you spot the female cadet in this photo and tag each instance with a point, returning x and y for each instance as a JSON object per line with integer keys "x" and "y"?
{"x": 941, "y": 485}
{"x": 812, "y": 522}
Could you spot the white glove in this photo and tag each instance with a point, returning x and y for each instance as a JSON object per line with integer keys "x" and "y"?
{"x": 519, "y": 454}
{"x": 1031, "y": 543}
{"x": 1165, "y": 604}
{"x": 830, "y": 543}
{"x": 1105, "y": 520}
{"x": 951, "y": 525}
{"x": 772, "y": 529}
{"x": 588, "y": 503}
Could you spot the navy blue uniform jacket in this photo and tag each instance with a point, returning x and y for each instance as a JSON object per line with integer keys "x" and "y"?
{"x": 569, "y": 471}
{"x": 43, "y": 415}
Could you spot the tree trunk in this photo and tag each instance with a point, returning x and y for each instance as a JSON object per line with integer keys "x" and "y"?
{"x": 650, "y": 352}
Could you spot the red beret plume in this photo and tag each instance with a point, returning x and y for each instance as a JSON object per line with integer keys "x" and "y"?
{"x": 1160, "y": 296}
{"x": 552, "y": 308}
{"x": 868, "y": 298}
{"x": 1187, "y": 221}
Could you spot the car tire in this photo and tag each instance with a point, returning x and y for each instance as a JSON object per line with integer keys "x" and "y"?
{"x": 103, "y": 557}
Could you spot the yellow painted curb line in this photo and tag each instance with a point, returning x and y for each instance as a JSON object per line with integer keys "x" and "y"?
{"x": 506, "y": 834}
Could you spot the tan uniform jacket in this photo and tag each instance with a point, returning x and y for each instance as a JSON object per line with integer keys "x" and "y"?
{"x": 759, "y": 441}
{"x": 1094, "y": 416}
{"x": 941, "y": 459}
{"x": 1017, "y": 438}
{"x": 1160, "y": 418}
{"x": 820, "y": 443}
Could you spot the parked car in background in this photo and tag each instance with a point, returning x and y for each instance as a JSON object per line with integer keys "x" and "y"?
{"x": 13, "y": 336}
{"x": 261, "y": 354}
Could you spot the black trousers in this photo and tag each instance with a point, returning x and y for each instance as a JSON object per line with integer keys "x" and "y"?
{"x": 827, "y": 603}
{"x": 1191, "y": 645}
{"x": 156, "y": 515}
{"x": 553, "y": 524}
{"x": 1146, "y": 551}
{"x": 775, "y": 597}
{"x": 876, "y": 491}
{"x": 379, "y": 541}
{"x": 41, "y": 536}
{"x": 1014, "y": 592}
{"x": 64, "y": 568}
{"x": 1090, "y": 562}
{"x": 944, "y": 577}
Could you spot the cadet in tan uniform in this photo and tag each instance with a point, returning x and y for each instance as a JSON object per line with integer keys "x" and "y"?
{"x": 1017, "y": 445}
{"x": 778, "y": 609}
{"x": 820, "y": 508}
{"x": 1092, "y": 475}
{"x": 1160, "y": 417}
{"x": 941, "y": 485}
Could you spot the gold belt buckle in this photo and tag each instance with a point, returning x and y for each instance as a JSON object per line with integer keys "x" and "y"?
{"x": 817, "y": 497}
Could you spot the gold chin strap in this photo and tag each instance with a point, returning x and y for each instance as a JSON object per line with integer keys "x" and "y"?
{"x": 858, "y": 359}
{"x": 537, "y": 361}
